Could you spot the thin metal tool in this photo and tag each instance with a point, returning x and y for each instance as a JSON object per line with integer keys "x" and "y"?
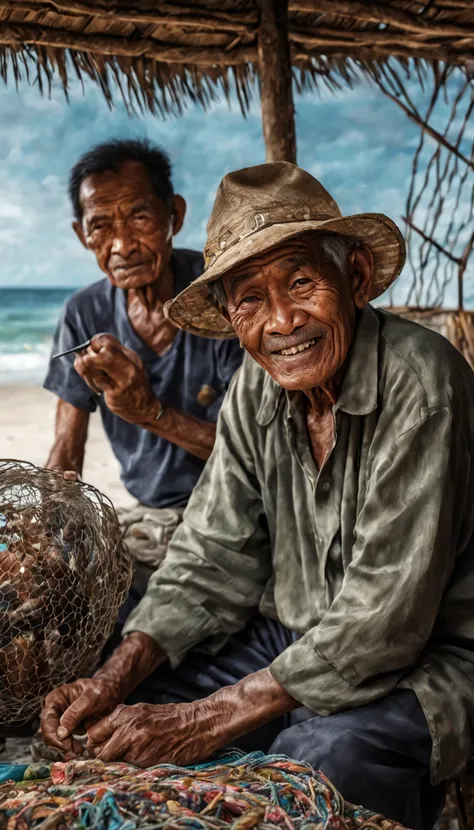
{"x": 75, "y": 349}
{"x": 81, "y": 739}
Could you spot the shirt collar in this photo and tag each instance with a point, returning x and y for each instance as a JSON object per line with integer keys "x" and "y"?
{"x": 359, "y": 391}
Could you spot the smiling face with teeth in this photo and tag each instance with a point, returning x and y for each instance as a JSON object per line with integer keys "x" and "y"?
{"x": 294, "y": 309}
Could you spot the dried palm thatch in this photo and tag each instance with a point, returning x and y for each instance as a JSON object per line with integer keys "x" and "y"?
{"x": 162, "y": 54}
{"x": 158, "y": 56}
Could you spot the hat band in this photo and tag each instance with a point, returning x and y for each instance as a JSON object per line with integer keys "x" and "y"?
{"x": 253, "y": 223}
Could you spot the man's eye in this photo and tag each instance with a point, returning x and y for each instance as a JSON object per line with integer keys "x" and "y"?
{"x": 301, "y": 281}
{"x": 142, "y": 217}
{"x": 247, "y": 300}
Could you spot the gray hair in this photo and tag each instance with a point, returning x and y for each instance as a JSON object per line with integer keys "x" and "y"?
{"x": 336, "y": 247}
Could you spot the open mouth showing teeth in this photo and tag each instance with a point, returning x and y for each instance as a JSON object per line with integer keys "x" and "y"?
{"x": 302, "y": 347}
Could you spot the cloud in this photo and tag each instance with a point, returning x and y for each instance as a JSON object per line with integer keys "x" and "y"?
{"x": 357, "y": 142}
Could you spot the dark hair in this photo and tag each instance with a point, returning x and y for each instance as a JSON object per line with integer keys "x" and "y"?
{"x": 217, "y": 292}
{"x": 111, "y": 155}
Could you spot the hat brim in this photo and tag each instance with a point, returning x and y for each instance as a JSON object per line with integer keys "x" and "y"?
{"x": 194, "y": 310}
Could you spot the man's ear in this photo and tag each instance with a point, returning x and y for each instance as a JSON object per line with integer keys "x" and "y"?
{"x": 179, "y": 212}
{"x": 77, "y": 228}
{"x": 361, "y": 271}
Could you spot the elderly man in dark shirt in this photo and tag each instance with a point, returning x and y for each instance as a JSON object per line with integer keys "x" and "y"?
{"x": 158, "y": 389}
{"x": 338, "y": 501}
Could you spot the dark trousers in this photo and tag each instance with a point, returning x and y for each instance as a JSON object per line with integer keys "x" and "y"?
{"x": 377, "y": 755}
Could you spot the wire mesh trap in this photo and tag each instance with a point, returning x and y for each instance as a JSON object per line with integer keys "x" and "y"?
{"x": 64, "y": 573}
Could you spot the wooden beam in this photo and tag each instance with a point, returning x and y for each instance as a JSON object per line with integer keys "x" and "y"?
{"x": 381, "y": 12}
{"x": 21, "y": 34}
{"x": 276, "y": 93}
{"x": 431, "y": 52}
{"x": 168, "y": 14}
{"x": 321, "y": 36}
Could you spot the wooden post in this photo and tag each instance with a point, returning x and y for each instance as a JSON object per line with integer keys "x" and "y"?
{"x": 276, "y": 91}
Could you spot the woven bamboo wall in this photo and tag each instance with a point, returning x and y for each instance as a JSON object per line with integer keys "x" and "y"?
{"x": 457, "y": 326}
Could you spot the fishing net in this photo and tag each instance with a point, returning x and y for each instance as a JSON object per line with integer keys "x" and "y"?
{"x": 234, "y": 792}
{"x": 64, "y": 572}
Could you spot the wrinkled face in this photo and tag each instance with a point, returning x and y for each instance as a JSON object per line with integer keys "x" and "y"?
{"x": 294, "y": 311}
{"x": 126, "y": 225}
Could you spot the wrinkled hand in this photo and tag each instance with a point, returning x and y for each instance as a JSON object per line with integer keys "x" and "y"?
{"x": 145, "y": 734}
{"x": 107, "y": 366}
{"x": 68, "y": 475}
{"x": 74, "y": 705}
{"x": 71, "y": 475}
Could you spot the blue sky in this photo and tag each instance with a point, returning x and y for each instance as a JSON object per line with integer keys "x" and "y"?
{"x": 357, "y": 142}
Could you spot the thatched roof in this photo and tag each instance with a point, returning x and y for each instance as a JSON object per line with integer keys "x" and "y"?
{"x": 162, "y": 54}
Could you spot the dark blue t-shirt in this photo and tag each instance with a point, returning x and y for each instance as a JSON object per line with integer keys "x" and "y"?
{"x": 154, "y": 471}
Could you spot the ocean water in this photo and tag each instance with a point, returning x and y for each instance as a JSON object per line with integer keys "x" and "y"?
{"x": 28, "y": 318}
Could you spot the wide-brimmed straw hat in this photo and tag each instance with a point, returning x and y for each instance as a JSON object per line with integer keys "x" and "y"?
{"x": 258, "y": 208}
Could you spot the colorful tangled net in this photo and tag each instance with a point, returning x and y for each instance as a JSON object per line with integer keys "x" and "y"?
{"x": 236, "y": 792}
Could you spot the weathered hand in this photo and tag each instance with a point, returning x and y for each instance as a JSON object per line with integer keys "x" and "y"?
{"x": 71, "y": 475}
{"x": 68, "y": 475}
{"x": 118, "y": 372}
{"x": 144, "y": 734}
{"x": 75, "y": 704}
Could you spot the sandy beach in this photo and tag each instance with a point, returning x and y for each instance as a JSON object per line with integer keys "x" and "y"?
{"x": 26, "y": 433}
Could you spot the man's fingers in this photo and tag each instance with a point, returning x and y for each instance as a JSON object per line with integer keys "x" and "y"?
{"x": 49, "y": 729}
{"x": 99, "y": 369}
{"x": 50, "y": 720}
{"x": 112, "y": 750}
{"x": 104, "y": 360}
{"x": 76, "y": 713}
{"x": 109, "y": 739}
{"x": 113, "y": 366}
{"x": 107, "y": 346}
{"x": 104, "y": 341}
{"x": 95, "y": 379}
{"x": 102, "y": 731}
{"x": 71, "y": 475}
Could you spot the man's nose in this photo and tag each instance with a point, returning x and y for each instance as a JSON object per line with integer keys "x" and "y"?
{"x": 284, "y": 316}
{"x": 124, "y": 242}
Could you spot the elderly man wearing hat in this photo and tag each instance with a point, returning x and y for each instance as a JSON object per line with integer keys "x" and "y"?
{"x": 318, "y": 599}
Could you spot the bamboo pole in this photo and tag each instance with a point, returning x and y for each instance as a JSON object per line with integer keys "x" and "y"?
{"x": 276, "y": 91}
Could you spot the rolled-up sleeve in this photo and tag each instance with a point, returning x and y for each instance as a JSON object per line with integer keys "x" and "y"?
{"x": 406, "y": 537}
{"x": 219, "y": 559}
{"x": 61, "y": 377}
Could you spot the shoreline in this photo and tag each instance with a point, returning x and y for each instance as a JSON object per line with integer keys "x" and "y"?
{"x": 27, "y": 430}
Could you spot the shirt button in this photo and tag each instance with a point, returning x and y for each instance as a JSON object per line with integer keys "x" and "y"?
{"x": 326, "y": 486}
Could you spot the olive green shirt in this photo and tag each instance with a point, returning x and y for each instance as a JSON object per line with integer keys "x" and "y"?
{"x": 368, "y": 559}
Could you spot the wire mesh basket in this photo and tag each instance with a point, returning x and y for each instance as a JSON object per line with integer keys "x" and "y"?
{"x": 64, "y": 573}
